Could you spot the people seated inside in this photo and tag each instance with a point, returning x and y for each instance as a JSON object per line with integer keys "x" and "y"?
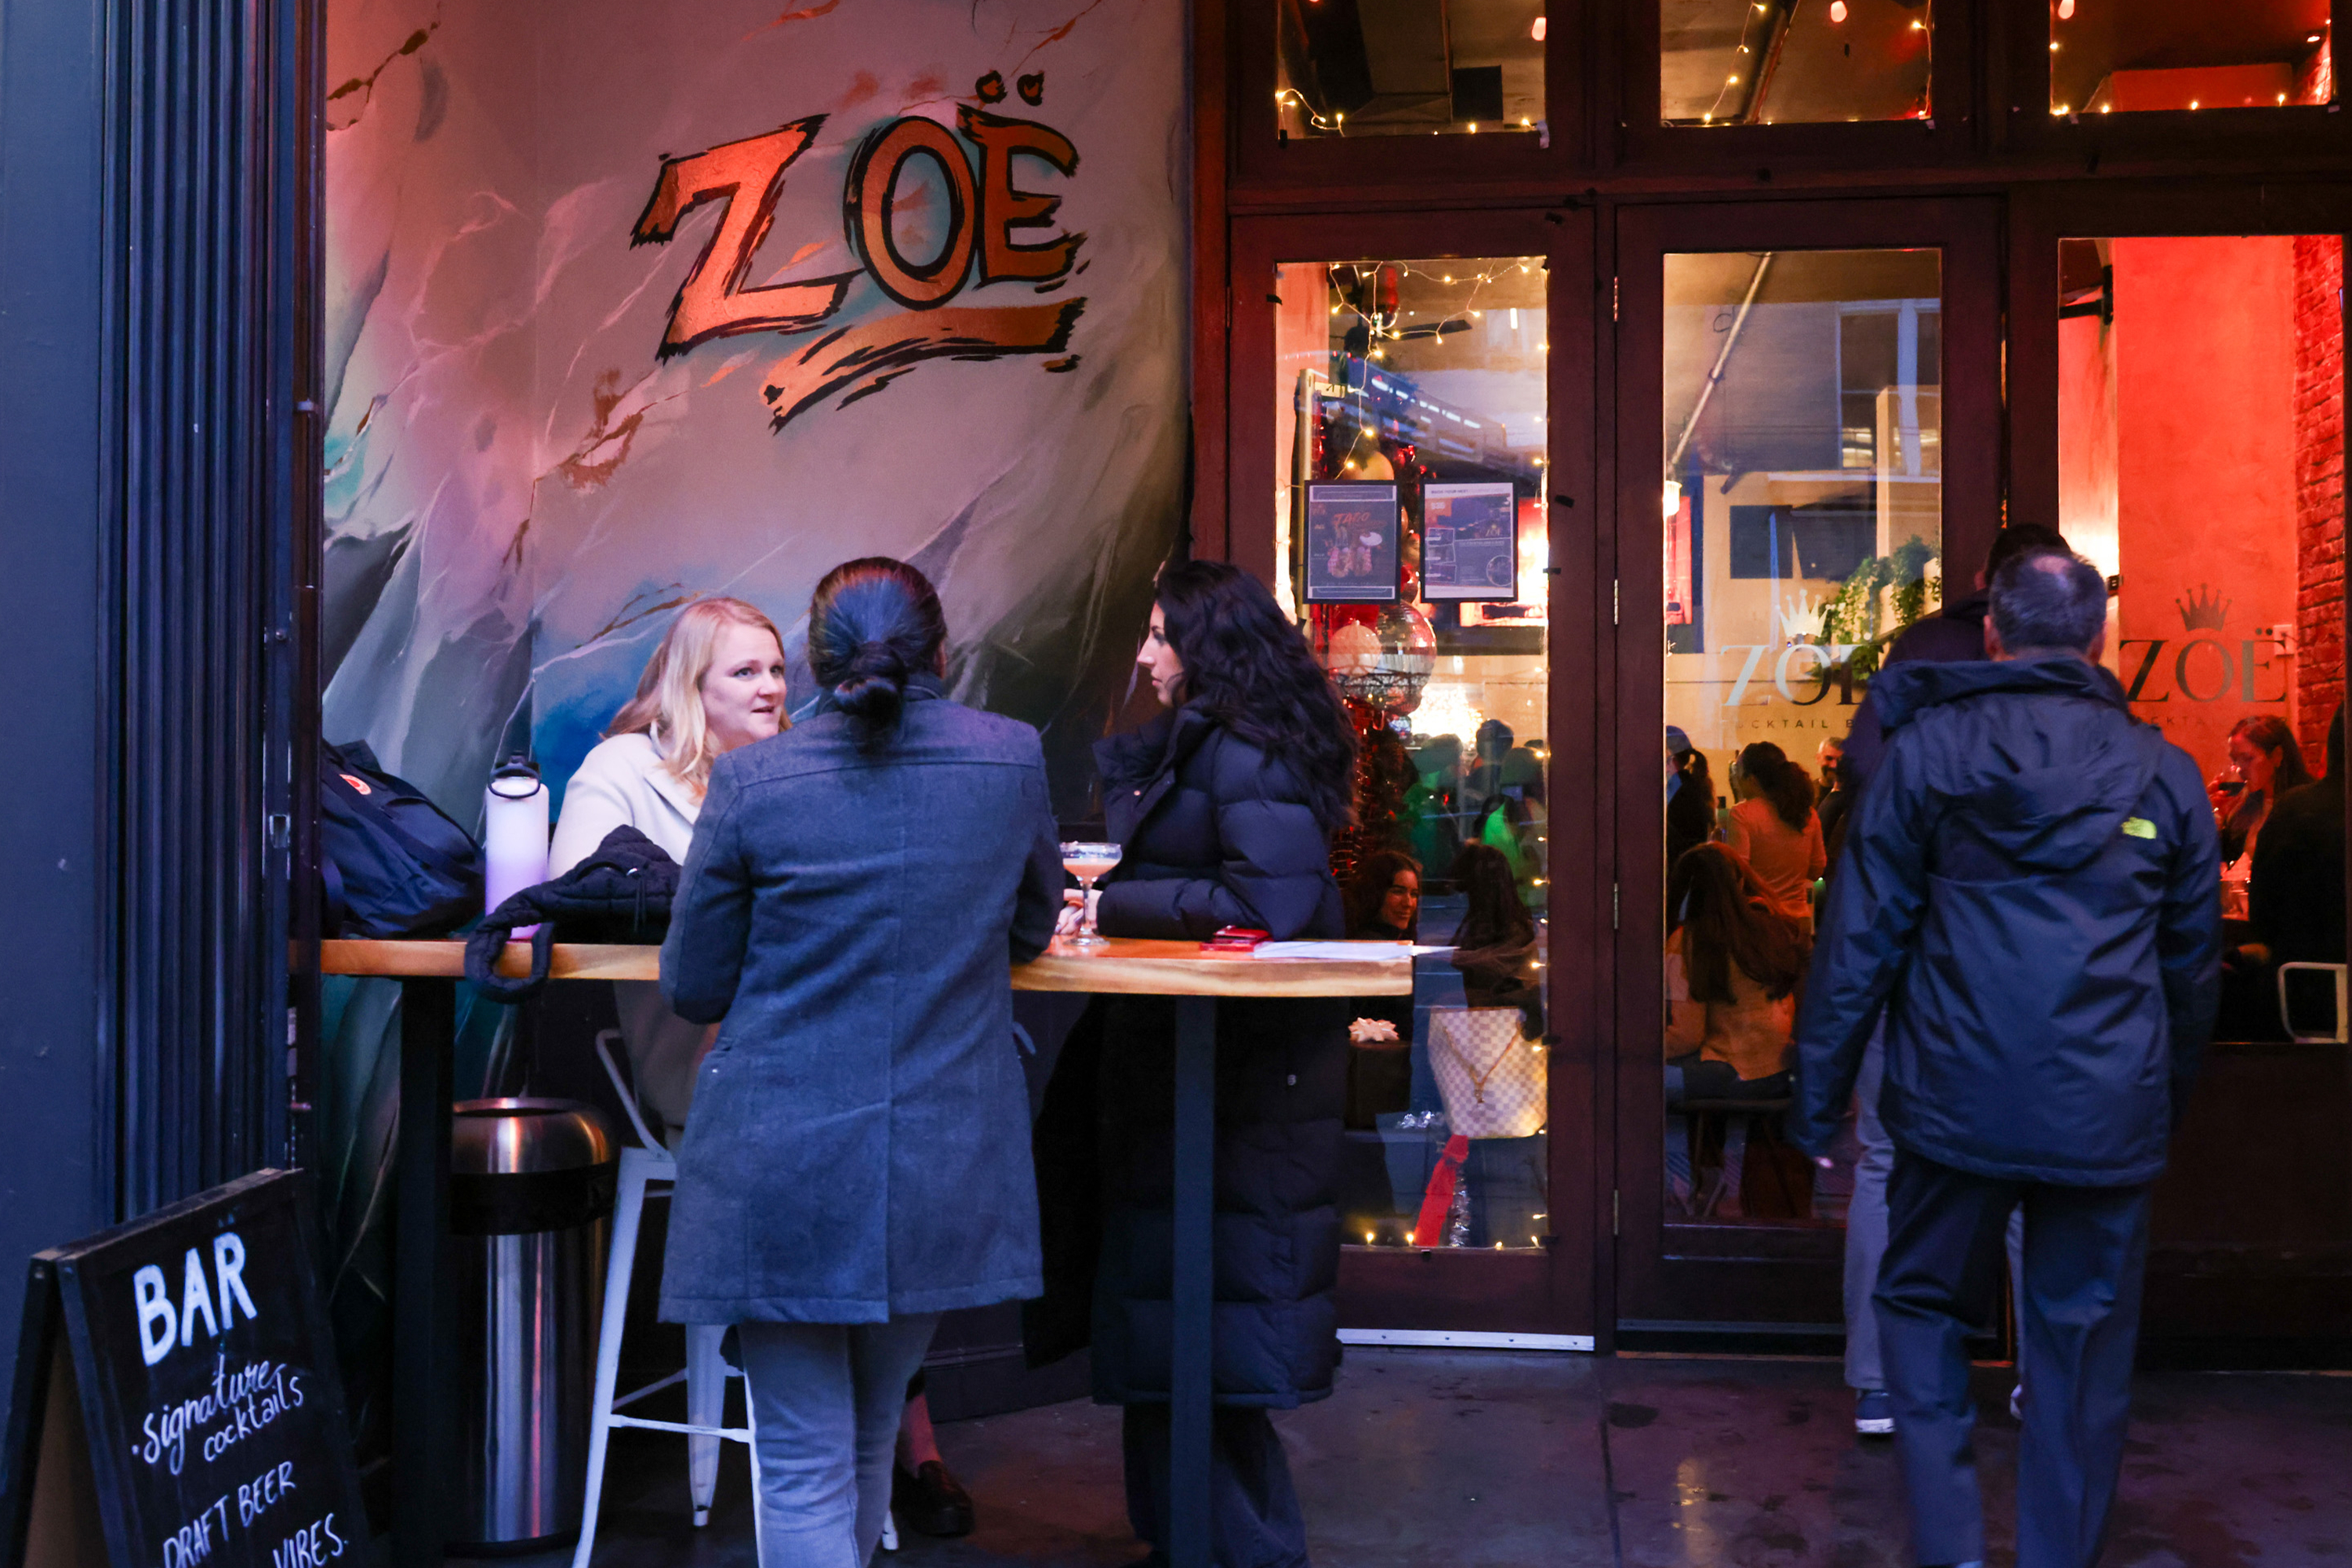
{"x": 1495, "y": 947}
{"x": 2264, "y": 770}
{"x": 2297, "y": 890}
{"x": 1383, "y": 905}
{"x": 1732, "y": 967}
{"x": 1690, "y": 798}
{"x": 1836, "y": 794}
{"x": 1775, "y": 829}
{"x": 2265, "y": 765}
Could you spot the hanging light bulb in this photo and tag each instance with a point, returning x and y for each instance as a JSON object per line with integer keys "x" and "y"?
{"x": 1537, "y": 32}
{"x": 2065, "y": 10}
{"x": 1837, "y": 10}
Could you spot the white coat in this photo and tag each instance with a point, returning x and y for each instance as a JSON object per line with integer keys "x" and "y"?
{"x": 623, "y": 784}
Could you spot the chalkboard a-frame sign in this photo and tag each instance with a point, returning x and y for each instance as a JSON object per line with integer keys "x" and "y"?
{"x": 175, "y": 1395}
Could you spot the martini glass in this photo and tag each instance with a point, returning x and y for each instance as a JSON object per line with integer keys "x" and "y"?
{"x": 1086, "y": 862}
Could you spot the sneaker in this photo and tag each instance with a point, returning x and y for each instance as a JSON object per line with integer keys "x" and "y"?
{"x": 1874, "y": 1413}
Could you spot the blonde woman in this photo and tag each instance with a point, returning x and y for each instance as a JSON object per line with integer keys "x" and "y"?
{"x": 716, "y": 683}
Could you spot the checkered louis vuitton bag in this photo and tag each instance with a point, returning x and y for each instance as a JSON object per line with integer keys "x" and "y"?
{"x": 1492, "y": 1077}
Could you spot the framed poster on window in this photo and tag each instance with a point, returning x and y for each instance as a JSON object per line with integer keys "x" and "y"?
{"x": 1469, "y": 541}
{"x": 1351, "y": 543}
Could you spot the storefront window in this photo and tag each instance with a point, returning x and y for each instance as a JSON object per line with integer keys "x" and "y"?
{"x": 1410, "y": 409}
{"x": 1786, "y": 62}
{"x": 1802, "y": 493}
{"x": 2214, "y": 502}
{"x": 2108, "y": 59}
{"x": 1403, "y": 67}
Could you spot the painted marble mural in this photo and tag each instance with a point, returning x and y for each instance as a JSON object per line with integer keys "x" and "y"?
{"x": 632, "y": 302}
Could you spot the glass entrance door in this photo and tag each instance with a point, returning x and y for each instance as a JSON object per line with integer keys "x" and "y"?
{"x": 1788, "y": 481}
{"x": 1397, "y": 390}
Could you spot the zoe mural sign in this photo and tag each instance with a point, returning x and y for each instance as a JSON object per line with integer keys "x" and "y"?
{"x": 997, "y": 233}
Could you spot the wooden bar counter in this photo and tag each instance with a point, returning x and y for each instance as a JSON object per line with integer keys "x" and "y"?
{"x": 422, "y": 1312}
{"x": 1127, "y": 967}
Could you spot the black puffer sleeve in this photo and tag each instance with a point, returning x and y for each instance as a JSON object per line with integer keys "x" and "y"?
{"x": 1271, "y": 869}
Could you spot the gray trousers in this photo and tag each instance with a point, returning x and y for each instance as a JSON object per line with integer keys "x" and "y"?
{"x": 2086, "y": 1253}
{"x": 1866, "y": 1226}
{"x": 826, "y": 1401}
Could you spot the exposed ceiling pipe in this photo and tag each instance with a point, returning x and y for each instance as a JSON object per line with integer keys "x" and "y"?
{"x": 1715, "y": 376}
{"x": 1784, "y": 21}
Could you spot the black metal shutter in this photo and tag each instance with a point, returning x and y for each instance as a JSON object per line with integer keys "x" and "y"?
{"x": 212, "y": 476}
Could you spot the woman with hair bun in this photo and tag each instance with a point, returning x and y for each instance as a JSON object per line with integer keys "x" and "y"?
{"x": 1225, "y": 806}
{"x": 1776, "y": 831}
{"x": 858, "y": 1160}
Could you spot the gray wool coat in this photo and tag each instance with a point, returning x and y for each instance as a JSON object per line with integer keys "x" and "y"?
{"x": 860, "y": 1145}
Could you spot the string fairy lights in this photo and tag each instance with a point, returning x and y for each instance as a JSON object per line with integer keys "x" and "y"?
{"x": 1288, "y": 97}
{"x": 1358, "y": 286}
{"x": 1761, "y": 11}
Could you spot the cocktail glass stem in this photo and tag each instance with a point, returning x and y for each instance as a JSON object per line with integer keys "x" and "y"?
{"x": 1087, "y": 935}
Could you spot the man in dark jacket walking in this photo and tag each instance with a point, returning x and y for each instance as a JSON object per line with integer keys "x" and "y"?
{"x": 2031, "y": 891}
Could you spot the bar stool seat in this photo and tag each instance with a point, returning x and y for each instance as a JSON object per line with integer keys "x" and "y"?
{"x": 706, "y": 1371}
{"x": 1738, "y": 1117}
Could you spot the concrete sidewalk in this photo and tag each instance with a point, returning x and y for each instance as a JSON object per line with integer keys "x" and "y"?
{"x": 1498, "y": 1460}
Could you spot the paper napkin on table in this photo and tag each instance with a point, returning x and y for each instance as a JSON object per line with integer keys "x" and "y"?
{"x": 1342, "y": 950}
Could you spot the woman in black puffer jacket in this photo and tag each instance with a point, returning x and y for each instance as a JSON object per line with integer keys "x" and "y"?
{"x": 1226, "y": 806}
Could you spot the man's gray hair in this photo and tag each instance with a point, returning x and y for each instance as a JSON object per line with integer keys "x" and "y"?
{"x": 2046, "y": 600}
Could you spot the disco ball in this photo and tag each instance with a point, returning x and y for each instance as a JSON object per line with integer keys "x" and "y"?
{"x": 1380, "y": 657}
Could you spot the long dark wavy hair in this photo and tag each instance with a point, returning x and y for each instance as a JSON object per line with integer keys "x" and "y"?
{"x": 1246, "y": 666}
{"x": 1788, "y": 787}
{"x": 873, "y": 623}
{"x": 1497, "y": 917}
{"x": 1725, "y": 922}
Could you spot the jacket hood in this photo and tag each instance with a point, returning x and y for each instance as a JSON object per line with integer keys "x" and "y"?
{"x": 1972, "y": 608}
{"x": 2051, "y": 761}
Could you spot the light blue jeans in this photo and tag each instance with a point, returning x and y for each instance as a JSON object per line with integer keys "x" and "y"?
{"x": 826, "y": 1401}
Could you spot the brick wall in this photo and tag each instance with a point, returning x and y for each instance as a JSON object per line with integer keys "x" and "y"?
{"x": 2319, "y": 486}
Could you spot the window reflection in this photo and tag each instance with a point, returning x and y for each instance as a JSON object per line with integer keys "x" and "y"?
{"x": 2106, "y": 58}
{"x": 1802, "y": 497}
{"x": 1782, "y": 62}
{"x": 2215, "y": 503}
{"x": 1405, "y": 68}
{"x": 1410, "y": 406}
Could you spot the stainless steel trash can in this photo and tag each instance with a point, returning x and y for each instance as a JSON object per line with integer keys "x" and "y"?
{"x": 530, "y": 1197}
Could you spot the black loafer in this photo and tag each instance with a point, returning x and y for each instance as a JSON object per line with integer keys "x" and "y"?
{"x": 930, "y": 1502}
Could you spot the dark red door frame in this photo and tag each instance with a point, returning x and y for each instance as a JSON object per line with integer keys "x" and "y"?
{"x": 1740, "y": 1274}
{"x": 1550, "y": 1291}
{"x": 2251, "y": 1245}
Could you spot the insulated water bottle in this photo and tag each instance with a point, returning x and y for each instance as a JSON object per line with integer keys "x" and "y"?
{"x": 514, "y": 835}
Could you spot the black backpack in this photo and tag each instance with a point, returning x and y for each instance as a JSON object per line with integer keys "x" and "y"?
{"x": 393, "y": 863}
{"x": 621, "y": 893}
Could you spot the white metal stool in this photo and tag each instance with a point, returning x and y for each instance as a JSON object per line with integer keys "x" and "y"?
{"x": 706, "y": 1371}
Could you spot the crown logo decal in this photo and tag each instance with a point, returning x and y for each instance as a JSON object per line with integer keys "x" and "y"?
{"x": 2204, "y": 610}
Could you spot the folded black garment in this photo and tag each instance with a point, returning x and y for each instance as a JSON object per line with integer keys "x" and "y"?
{"x": 621, "y": 893}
